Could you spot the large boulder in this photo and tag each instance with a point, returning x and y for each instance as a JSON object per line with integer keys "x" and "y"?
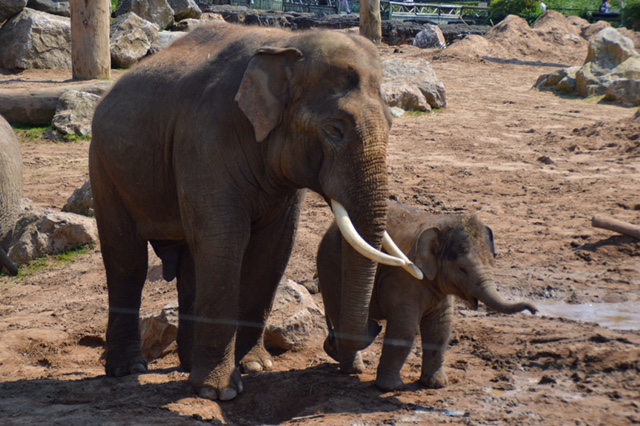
{"x": 34, "y": 39}
{"x": 131, "y": 38}
{"x": 40, "y": 233}
{"x": 10, "y": 8}
{"x": 157, "y": 11}
{"x": 185, "y": 9}
{"x": 55, "y": 7}
{"x": 415, "y": 77}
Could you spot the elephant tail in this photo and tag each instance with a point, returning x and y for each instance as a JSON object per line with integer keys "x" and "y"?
{"x": 7, "y": 263}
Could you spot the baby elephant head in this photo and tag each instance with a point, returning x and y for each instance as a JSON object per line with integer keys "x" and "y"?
{"x": 457, "y": 256}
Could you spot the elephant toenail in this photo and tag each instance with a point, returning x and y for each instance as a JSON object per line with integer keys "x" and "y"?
{"x": 138, "y": 368}
{"x": 208, "y": 393}
{"x": 228, "y": 394}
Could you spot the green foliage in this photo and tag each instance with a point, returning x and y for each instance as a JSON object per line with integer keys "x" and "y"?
{"x": 631, "y": 15}
{"x": 114, "y": 5}
{"x": 529, "y": 10}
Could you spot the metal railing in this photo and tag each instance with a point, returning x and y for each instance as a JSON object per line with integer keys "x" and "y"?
{"x": 432, "y": 12}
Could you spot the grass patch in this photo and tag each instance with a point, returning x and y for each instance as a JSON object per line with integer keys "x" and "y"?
{"x": 52, "y": 262}
{"x": 27, "y": 133}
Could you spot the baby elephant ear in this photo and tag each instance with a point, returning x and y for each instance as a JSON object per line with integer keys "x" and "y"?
{"x": 426, "y": 252}
{"x": 264, "y": 90}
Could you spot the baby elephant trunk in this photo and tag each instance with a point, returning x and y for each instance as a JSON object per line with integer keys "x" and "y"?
{"x": 488, "y": 295}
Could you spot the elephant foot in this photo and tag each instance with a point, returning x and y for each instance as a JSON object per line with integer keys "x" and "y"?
{"x": 125, "y": 366}
{"x": 353, "y": 365}
{"x": 256, "y": 361}
{"x": 213, "y": 389}
{"x": 437, "y": 380}
{"x": 389, "y": 382}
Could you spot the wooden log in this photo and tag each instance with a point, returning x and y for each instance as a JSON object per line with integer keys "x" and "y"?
{"x": 38, "y": 106}
{"x": 618, "y": 226}
{"x": 90, "y": 52}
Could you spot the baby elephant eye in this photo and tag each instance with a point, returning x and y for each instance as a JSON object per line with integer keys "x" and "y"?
{"x": 464, "y": 271}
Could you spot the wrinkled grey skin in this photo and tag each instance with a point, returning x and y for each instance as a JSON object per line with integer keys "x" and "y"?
{"x": 456, "y": 254}
{"x": 10, "y": 191}
{"x": 203, "y": 151}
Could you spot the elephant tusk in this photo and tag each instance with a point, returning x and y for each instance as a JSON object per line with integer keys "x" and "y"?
{"x": 350, "y": 234}
{"x": 390, "y": 246}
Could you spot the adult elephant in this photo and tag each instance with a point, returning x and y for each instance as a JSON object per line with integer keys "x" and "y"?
{"x": 10, "y": 191}
{"x": 203, "y": 150}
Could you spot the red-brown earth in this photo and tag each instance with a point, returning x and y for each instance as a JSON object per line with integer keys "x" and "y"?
{"x": 533, "y": 165}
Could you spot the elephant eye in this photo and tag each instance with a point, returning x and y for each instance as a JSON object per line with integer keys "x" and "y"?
{"x": 464, "y": 271}
{"x": 334, "y": 133}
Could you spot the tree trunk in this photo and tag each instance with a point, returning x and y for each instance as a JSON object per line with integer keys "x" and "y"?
{"x": 370, "y": 20}
{"x": 90, "y": 54}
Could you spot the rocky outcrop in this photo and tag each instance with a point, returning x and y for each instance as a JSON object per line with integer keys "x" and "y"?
{"x": 430, "y": 37}
{"x": 10, "y": 8}
{"x": 611, "y": 68}
{"x": 55, "y": 7}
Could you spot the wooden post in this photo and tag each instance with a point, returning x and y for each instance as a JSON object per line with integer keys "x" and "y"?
{"x": 371, "y": 20}
{"x": 90, "y": 54}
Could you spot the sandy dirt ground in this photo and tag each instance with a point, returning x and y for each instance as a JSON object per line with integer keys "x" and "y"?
{"x": 533, "y": 165}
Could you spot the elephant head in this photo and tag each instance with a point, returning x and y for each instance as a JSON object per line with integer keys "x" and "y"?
{"x": 326, "y": 87}
{"x": 10, "y": 191}
{"x": 458, "y": 255}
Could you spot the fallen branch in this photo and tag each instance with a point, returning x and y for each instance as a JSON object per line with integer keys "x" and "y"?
{"x": 37, "y": 106}
{"x": 614, "y": 225}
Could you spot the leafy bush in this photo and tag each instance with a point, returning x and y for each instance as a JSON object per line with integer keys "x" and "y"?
{"x": 529, "y": 10}
{"x": 631, "y": 14}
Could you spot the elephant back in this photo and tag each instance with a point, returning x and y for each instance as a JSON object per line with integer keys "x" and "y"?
{"x": 10, "y": 181}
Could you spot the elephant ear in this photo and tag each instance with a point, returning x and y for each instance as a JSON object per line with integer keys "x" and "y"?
{"x": 492, "y": 244}
{"x": 426, "y": 252}
{"x": 264, "y": 90}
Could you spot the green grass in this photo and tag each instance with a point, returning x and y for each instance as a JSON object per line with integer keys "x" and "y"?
{"x": 35, "y": 133}
{"x": 52, "y": 262}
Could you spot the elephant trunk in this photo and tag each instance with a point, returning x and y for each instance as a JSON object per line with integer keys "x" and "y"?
{"x": 367, "y": 208}
{"x": 488, "y": 294}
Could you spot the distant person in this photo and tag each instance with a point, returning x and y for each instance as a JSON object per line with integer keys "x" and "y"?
{"x": 543, "y": 6}
{"x": 605, "y": 7}
{"x": 345, "y": 3}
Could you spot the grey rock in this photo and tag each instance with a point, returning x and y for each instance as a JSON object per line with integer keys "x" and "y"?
{"x": 75, "y": 112}
{"x": 184, "y": 9}
{"x": 10, "y": 8}
{"x": 40, "y": 233}
{"x": 158, "y": 332}
{"x": 81, "y": 201}
{"x": 430, "y": 37}
{"x": 295, "y": 318}
{"x": 157, "y": 11}
{"x": 34, "y": 39}
{"x": 55, "y": 7}
{"x": 417, "y": 76}
{"x": 165, "y": 39}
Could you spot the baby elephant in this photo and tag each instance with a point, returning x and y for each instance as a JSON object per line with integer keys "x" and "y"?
{"x": 456, "y": 254}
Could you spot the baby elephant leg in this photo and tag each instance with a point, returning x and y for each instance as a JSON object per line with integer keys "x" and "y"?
{"x": 402, "y": 326}
{"x": 435, "y": 331}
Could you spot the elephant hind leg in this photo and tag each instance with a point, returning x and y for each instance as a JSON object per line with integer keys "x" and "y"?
{"x": 7, "y": 263}
{"x": 125, "y": 259}
{"x": 186, "y": 305}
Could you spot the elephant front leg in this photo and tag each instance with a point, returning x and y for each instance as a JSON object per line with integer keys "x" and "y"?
{"x": 435, "y": 331}
{"x": 263, "y": 265}
{"x": 402, "y": 327}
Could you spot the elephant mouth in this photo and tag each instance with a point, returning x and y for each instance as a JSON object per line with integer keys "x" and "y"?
{"x": 395, "y": 257}
{"x": 472, "y": 303}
